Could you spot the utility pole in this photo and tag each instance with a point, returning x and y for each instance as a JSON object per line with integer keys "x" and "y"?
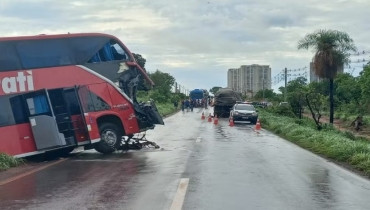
{"x": 263, "y": 89}
{"x": 286, "y": 78}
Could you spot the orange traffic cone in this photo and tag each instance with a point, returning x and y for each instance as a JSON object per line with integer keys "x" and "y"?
{"x": 203, "y": 117}
{"x": 215, "y": 121}
{"x": 231, "y": 122}
{"x": 209, "y": 118}
{"x": 258, "y": 125}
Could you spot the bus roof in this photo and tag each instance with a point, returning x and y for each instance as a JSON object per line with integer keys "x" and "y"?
{"x": 54, "y": 36}
{"x": 41, "y": 51}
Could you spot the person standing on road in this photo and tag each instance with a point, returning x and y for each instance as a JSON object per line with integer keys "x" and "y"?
{"x": 183, "y": 105}
{"x": 191, "y": 104}
{"x": 187, "y": 104}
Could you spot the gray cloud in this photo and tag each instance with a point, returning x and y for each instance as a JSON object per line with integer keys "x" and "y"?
{"x": 193, "y": 37}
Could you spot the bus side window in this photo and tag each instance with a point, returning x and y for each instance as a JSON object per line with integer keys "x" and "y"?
{"x": 38, "y": 105}
{"x": 12, "y": 111}
{"x": 109, "y": 52}
{"x": 19, "y": 109}
{"x": 95, "y": 59}
{"x": 91, "y": 102}
{"x": 118, "y": 52}
{"x": 5, "y": 117}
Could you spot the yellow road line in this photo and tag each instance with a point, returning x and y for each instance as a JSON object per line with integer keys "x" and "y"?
{"x": 31, "y": 172}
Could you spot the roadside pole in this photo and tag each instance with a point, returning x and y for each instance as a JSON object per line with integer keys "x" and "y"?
{"x": 286, "y": 78}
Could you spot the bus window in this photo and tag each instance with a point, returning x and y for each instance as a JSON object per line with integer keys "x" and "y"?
{"x": 12, "y": 111}
{"x": 91, "y": 102}
{"x": 109, "y": 52}
{"x": 99, "y": 103}
{"x": 19, "y": 109}
{"x": 6, "y": 117}
{"x": 8, "y": 60}
{"x": 118, "y": 52}
{"x": 44, "y": 54}
{"x": 38, "y": 105}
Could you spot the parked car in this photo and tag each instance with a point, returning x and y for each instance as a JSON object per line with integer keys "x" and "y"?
{"x": 244, "y": 112}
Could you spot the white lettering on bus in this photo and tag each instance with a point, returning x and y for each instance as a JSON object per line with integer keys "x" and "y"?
{"x": 18, "y": 84}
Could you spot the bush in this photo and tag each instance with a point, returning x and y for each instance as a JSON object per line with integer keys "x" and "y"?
{"x": 159, "y": 97}
{"x": 282, "y": 110}
{"x": 142, "y": 96}
{"x": 7, "y": 161}
{"x": 165, "y": 109}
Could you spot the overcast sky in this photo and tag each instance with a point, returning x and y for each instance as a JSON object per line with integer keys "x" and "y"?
{"x": 196, "y": 41}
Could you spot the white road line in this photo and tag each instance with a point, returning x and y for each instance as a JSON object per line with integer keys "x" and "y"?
{"x": 180, "y": 194}
{"x": 198, "y": 140}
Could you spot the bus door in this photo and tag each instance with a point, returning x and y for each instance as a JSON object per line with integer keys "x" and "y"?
{"x": 68, "y": 115}
{"x": 44, "y": 123}
{"x": 55, "y": 118}
{"x": 75, "y": 109}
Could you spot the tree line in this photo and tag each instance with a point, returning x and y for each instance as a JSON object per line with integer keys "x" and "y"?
{"x": 342, "y": 92}
{"x": 161, "y": 92}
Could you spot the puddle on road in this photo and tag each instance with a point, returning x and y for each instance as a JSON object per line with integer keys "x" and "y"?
{"x": 236, "y": 133}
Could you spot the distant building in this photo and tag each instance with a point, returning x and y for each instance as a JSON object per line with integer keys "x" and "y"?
{"x": 249, "y": 79}
{"x": 315, "y": 78}
{"x": 232, "y": 78}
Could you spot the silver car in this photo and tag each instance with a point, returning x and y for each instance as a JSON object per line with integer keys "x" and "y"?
{"x": 244, "y": 112}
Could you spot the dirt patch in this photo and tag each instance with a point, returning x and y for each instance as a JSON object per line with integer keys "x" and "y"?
{"x": 342, "y": 125}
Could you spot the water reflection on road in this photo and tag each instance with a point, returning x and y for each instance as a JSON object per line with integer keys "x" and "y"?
{"x": 228, "y": 168}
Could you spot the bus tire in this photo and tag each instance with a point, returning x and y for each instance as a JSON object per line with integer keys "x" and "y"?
{"x": 110, "y": 138}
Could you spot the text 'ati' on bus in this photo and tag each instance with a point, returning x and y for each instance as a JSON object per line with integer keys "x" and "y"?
{"x": 59, "y": 92}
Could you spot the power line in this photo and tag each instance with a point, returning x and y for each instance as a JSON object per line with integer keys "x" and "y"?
{"x": 363, "y": 60}
{"x": 292, "y": 74}
{"x": 360, "y": 52}
{"x": 359, "y": 57}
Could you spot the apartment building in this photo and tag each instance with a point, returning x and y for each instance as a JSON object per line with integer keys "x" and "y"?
{"x": 249, "y": 79}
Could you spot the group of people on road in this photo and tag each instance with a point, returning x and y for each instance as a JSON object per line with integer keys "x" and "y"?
{"x": 188, "y": 103}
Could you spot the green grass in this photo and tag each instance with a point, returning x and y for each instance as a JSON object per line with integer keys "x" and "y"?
{"x": 333, "y": 144}
{"x": 7, "y": 161}
{"x": 166, "y": 109}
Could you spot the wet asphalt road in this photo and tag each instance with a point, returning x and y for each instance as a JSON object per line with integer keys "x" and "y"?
{"x": 227, "y": 168}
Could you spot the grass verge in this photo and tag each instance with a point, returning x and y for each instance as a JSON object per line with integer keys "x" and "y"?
{"x": 328, "y": 142}
{"x": 166, "y": 109}
{"x": 7, "y": 161}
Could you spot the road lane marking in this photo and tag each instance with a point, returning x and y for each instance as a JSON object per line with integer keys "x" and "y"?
{"x": 6, "y": 181}
{"x": 103, "y": 160}
{"x": 198, "y": 140}
{"x": 178, "y": 201}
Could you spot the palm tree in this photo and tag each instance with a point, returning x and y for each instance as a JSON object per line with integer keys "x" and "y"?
{"x": 332, "y": 49}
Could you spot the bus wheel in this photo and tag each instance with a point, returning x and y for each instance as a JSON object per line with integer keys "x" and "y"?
{"x": 110, "y": 138}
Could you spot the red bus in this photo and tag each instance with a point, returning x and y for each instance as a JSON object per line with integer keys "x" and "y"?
{"x": 58, "y": 92}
